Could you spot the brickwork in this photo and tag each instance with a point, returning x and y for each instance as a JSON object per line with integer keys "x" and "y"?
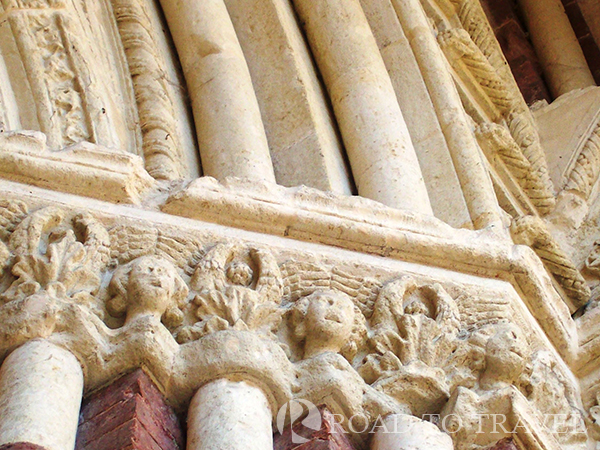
{"x": 518, "y": 50}
{"x": 331, "y": 436}
{"x": 131, "y": 413}
{"x": 505, "y": 444}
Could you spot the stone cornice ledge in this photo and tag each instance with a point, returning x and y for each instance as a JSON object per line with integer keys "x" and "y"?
{"x": 82, "y": 169}
{"x": 366, "y": 226}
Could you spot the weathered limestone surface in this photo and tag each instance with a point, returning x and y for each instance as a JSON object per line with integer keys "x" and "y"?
{"x": 460, "y": 139}
{"x": 300, "y": 128}
{"x": 40, "y": 392}
{"x": 400, "y": 432}
{"x": 383, "y": 159}
{"x": 232, "y": 414}
{"x": 231, "y": 136}
{"x": 446, "y": 197}
{"x": 243, "y": 300}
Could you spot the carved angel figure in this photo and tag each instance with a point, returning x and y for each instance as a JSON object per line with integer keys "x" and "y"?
{"x": 473, "y": 414}
{"x": 327, "y": 327}
{"x": 414, "y": 333}
{"x": 60, "y": 253}
{"x": 237, "y": 288}
{"x": 148, "y": 288}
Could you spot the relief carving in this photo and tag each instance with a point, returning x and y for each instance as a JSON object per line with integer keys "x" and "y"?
{"x": 518, "y": 118}
{"x": 40, "y": 30}
{"x": 414, "y": 331}
{"x": 163, "y": 151}
{"x": 587, "y": 168}
{"x": 238, "y": 289}
{"x": 328, "y": 328}
{"x": 548, "y": 389}
{"x": 59, "y": 253}
{"x": 59, "y": 257}
{"x": 497, "y": 140}
{"x": 148, "y": 288}
{"x": 499, "y": 356}
{"x": 531, "y": 231}
{"x": 364, "y": 347}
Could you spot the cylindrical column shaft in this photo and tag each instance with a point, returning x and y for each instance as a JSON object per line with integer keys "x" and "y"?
{"x": 383, "y": 159}
{"x": 41, "y": 386}
{"x": 231, "y": 415}
{"x": 404, "y": 432}
{"x": 556, "y": 46}
{"x": 231, "y": 136}
{"x": 466, "y": 156}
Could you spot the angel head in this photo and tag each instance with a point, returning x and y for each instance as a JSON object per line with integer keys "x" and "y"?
{"x": 327, "y": 321}
{"x": 148, "y": 286}
{"x": 239, "y": 273}
{"x": 506, "y": 355}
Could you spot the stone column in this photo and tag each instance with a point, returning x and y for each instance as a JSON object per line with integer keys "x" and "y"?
{"x": 404, "y": 432}
{"x": 300, "y": 127}
{"x": 231, "y": 136}
{"x": 41, "y": 386}
{"x": 466, "y": 156}
{"x": 229, "y": 414}
{"x": 556, "y": 46}
{"x": 383, "y": 159}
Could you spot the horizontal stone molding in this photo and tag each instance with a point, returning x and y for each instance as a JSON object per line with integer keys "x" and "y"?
{"x": 82, "y": 169}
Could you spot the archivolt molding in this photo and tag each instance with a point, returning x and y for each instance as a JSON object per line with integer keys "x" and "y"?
{"x": 496, "y": 140}
{"x": 41, "y": 32}
{"x": 531, "y": 231}
{"x": 459, "y": 47}
{"x": 478, "y": 50}
{"x": 122, "y": 296}
{"x": 72, "y": 99}
{"x": 584, "y": 175}
{"x": 163, "y": 152}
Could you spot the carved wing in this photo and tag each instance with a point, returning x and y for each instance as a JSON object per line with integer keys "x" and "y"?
{"x": 129, "y": 242}
{"x": 269, "y": 284}
{"x": 210, "y": 272}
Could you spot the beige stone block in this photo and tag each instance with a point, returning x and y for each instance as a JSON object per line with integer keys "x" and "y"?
{"x": 564, "y": 127}
{"x": 299, "y": 125}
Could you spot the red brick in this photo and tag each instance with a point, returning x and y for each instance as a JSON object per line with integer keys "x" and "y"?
{"x": 508, "y": 26}
{"x": 21, "y": 446}
{"x": 134, "y": 407}
{"x": 499, "y": 12}
{"x": 330, "y": 436}
{"x": 132, "y": 399}
{"x": 130, "y": 435}
{"x": 505, "y": 444}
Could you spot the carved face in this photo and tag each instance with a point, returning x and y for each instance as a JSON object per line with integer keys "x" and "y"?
{"x": 151, "y": 284}
{"x": 506, "y": 354}
{"x": 329, "y": 319}
{"x": 239, "y": 273}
